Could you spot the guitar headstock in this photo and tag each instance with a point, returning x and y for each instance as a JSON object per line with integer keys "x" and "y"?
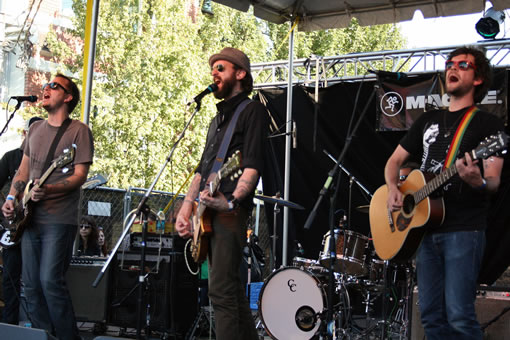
{"x": 65, "y": 158}
{"x": 490, "y": 146}
{"x": 231, "y": 165}
{"x": 94, "y": 182}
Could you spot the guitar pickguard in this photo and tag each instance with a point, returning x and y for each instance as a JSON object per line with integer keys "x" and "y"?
{"x": 403, "y": 222}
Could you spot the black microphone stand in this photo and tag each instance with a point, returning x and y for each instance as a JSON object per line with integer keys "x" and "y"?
{"x": 10, "y": 117}
{"x": 330, "y": 326}
{"x": 142, "y": 206}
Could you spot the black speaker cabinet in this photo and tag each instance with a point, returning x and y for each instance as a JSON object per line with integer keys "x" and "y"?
{"x": 171, "y": 294}
{"x": 90, "y": 304}
{"x": 9, "y": 332}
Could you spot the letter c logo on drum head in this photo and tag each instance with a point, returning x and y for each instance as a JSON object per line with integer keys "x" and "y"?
{"x": 291, "y": 285}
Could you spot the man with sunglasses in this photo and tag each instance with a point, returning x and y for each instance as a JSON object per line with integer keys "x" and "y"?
{"x": 11, "y": 256}
{"x": 231, "y": 205}
{"x": 449, "y": 257}
{"x": 47, "y": 242}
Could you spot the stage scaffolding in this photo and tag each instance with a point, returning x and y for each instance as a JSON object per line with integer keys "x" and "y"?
{"x": 323, "y": 71}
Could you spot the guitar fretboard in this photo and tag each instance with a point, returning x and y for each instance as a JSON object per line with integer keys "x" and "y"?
{"x": 434, "y": 184}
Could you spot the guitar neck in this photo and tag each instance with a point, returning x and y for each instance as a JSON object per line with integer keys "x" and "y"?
{"x": 42, "y": 180}
{"x": 435, "y": 184}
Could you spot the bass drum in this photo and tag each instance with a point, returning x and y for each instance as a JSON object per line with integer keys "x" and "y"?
{"x": 290, "y": 303}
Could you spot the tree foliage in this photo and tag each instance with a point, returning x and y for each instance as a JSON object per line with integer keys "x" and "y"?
{"x": 151, "y": 58}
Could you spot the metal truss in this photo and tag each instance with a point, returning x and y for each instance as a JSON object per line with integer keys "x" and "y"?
{"x": 321, "y": 71}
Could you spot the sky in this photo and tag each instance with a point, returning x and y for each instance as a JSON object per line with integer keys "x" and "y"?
{"x": 447, "y": 31}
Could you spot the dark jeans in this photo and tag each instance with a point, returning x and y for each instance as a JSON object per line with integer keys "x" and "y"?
{"x": 448, "y": 266}
{"x": 228, "y": 296}
{"x": 47, "y": 251}
{"x": 11, "y": 284}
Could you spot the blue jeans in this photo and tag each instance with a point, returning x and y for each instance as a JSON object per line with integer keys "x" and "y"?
{"x": 11, "y": 284}
{"x": 47, "y": 251}
{"x": 448, "y": 266}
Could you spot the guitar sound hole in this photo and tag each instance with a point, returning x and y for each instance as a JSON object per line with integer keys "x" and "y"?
{"x": 408, "y": 204}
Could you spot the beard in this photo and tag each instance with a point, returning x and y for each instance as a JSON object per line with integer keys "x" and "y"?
{"x": 226, "y": 89}
{"x": 458, "y": 91}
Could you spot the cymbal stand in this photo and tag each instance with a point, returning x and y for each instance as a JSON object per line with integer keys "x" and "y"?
{"x": 276, "y": 211}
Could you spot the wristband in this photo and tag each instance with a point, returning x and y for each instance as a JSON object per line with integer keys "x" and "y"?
{"x": 10, "y": 198}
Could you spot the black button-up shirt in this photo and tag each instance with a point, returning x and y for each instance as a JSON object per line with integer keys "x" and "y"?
{"x": 249, "y": 137}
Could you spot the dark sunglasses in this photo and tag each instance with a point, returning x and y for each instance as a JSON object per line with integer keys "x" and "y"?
{"x": 85, "y": 226}
{"x": 54, "y": 85}
{"x": 219, "y": 67}
{"x": 461, "y": 65}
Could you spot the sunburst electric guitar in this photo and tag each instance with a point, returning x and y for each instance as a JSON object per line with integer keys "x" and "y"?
{"x": 398, "y": 234}
{"x": 23, "y": 209}
{"x": 201, "y": 217}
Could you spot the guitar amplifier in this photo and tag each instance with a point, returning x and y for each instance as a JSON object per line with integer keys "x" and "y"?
{"x": 90, "y": 304}
{"x": 154, "y": 243}
{"x": 171, "y": 295}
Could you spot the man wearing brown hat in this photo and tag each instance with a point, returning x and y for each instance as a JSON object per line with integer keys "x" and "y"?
{"x": 230, "y": 206}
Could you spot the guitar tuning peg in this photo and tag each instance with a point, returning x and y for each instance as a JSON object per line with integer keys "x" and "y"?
{"x": 240, "y": 172}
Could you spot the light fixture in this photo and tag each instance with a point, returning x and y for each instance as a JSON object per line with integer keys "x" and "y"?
{"x": 488, "y": 26}
{"x": 207, "y": 7}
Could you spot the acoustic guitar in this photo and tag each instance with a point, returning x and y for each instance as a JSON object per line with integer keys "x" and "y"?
{"x": 397, "y": 235}
{"x": 23, "y": 208}
{"x": 201, "y": 217}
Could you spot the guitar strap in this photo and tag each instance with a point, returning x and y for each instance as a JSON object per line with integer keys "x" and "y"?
{"x": 220, "y": 156}
{"x": 54, "y": 144}
{"x": 459, "y": 134}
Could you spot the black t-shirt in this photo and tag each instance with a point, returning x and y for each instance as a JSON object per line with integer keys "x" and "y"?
{"x": 429, "y": 139}
{"x": 9, "y": 165}
{"x": 248, "y": 137}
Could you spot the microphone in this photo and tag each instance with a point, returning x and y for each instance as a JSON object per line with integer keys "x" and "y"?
{"x": 211, "y": 88}
{"x": 389, "y": 75}
{"x": 294, "y": 135}
{"x": 20, "y": 99}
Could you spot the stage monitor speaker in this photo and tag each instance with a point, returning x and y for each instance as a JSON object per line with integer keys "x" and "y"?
{"x": 90, "y": 304}
{"x": 172, "y": 293}
{"x": 487, "y": 307}
{"x": 12, "y": 332}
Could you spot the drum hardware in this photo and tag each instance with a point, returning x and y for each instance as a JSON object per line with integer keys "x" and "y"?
{"x": 350, "y": 252}
{"x": 363, "y": 208}
{"x": 277, "y": 201}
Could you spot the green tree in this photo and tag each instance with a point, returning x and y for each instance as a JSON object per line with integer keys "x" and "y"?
{"x": 334, "y": 42}
{"x": 151, "y": 58}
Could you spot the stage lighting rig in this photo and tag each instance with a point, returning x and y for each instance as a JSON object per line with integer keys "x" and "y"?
{"x": 488, "y": 26}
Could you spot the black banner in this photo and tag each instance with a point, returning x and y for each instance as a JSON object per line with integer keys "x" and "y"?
{"x": 400, "y": 103}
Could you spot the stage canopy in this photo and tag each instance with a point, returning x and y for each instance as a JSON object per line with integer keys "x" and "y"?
{"x": 324, "y": 14}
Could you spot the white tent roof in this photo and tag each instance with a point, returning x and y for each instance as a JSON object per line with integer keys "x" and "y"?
{"x": 323, "y": 14}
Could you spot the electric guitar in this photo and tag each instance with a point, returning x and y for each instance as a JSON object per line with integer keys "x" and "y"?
{"x": 201, "y": 217}
{"x": 397, "y": 235}
{"x": 13, "y": 230}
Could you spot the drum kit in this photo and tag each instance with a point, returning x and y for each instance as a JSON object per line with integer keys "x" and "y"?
{"x": 368, "y": 298}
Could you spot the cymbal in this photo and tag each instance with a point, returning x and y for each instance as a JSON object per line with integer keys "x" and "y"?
{"x": 279, "y": 201}
{"x": 363, "y": 208}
